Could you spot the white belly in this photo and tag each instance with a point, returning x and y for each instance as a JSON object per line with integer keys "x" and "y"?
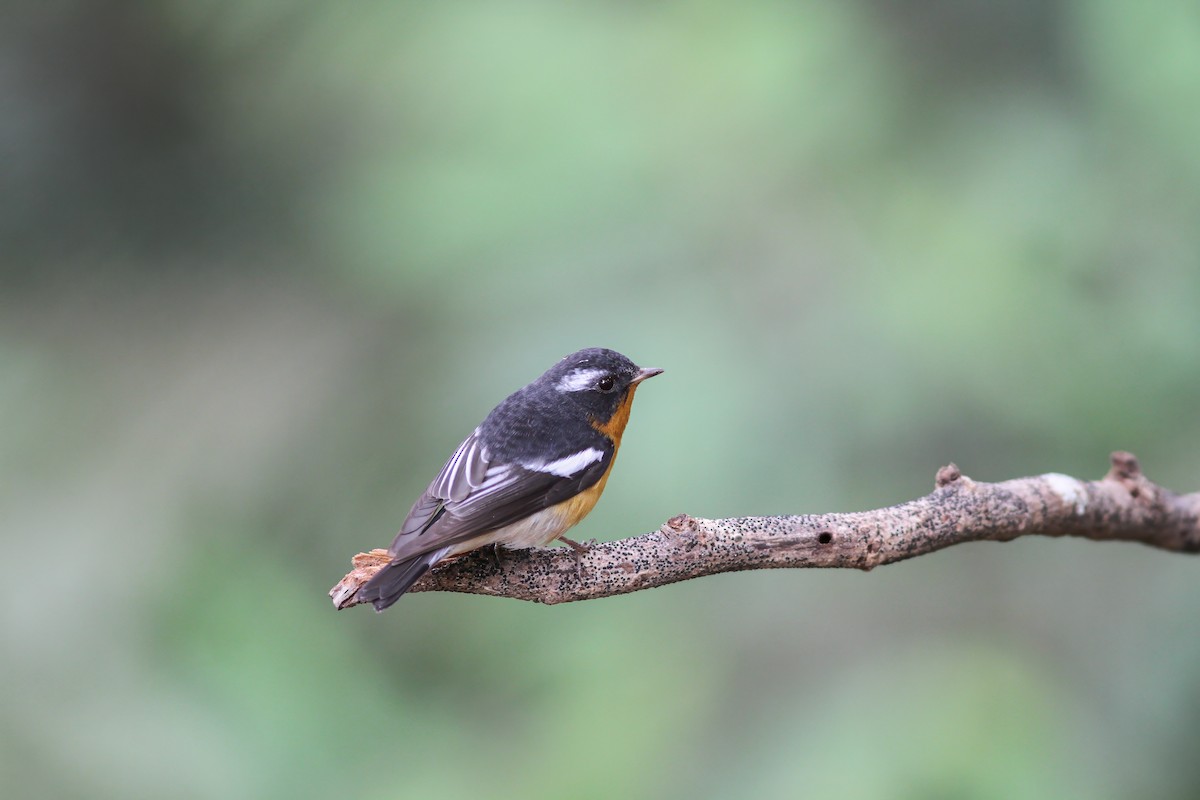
{"x": 536, "y": 530}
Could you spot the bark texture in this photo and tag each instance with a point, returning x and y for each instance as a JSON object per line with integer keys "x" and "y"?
{"x": 1124, "y": 505}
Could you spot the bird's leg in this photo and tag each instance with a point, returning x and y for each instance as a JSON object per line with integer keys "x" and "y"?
{"x": 496, "y": 554}
{"x": 579, "y": 548}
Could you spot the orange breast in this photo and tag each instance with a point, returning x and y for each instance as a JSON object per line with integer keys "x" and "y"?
{"x": 582, "y": 504}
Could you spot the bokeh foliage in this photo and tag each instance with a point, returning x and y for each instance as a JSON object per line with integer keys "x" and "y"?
{"x": 264, "y": 263}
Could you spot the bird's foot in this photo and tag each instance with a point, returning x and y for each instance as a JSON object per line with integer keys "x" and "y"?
{"x": 578, "y": 550}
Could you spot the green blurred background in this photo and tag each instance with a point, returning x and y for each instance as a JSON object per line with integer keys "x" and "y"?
{"x": 263, "y": 264}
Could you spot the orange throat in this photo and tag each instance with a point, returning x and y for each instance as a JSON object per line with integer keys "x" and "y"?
{"x": 616, "y": 423}
{"x": 581, "y": 504}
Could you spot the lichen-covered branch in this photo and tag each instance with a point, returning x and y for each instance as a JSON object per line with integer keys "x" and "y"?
{"x": 1124, "y": 505}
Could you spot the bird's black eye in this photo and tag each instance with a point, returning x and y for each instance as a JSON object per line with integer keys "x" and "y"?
{"x": 606, "y": 383}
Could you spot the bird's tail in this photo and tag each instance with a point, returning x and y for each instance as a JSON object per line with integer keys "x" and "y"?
{"x": 387, "y": 585}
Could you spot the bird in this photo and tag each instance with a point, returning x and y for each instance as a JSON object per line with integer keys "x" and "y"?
{"x": 529, "y": 472}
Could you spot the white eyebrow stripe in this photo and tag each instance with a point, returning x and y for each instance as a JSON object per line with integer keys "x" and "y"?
{"x": 566, "y": 467}
{"x": 578, "y": 380}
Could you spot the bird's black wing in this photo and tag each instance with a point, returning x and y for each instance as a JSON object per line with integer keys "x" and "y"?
{"x": 474, "y": 494}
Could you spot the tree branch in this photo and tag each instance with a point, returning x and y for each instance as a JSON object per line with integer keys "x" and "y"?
{"x": 1124, "y": 506}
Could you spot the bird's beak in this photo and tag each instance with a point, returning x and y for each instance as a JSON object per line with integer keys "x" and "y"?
{"x": 643, "y": 373}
